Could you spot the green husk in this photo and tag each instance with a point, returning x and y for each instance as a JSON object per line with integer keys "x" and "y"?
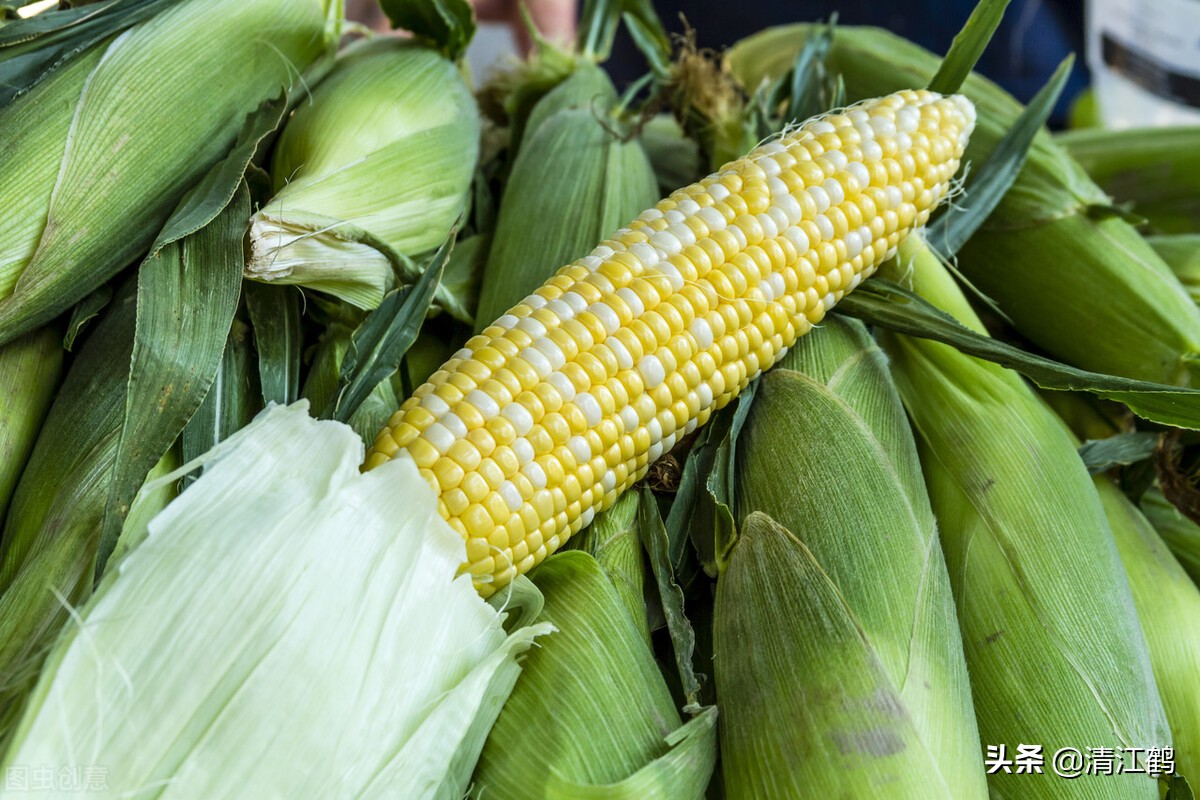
{"x": 378, "y": 163}
{"x": 1054, "y": 648}
{"x": 1168, "y": 606}
{"x": 613, "y": 540}
{"x": 675, "y": 156}
{"x": 575, "y": 180}
{"x": 29, "y": 372}
{"x": 868, "y": 568}
{"x": 1182, "y": 254}
{"x": 1154, "y": 171}
{"x": 1181, "y": 534}
{"x": 100, "y": 154}
{"x": 302, "y": 634}
{"x": 591, "y": 716}
{"x": 1074, "y": 277}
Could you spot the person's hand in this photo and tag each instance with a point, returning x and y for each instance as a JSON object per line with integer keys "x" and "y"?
{"x": 554, "y": 19}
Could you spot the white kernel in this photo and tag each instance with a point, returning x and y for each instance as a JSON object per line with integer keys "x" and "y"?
{"x": 789, "y": 208}
{"x": 536, "y": 475}
{"x": 871, "y": 150}
{"x": 644, "y": 253}
{"x": 777, "y": 187}
{"x": 895, "y": 197}
{"x": 666, "y": 242}
{"x": 632, "y": 300}
{"x": 668, "y": 443}
{"x": 903, "y": 142}
{"x": 883, "y": 126}
{"x": 536, "y": 360}
{"x": 506, "y": 321}
{"x": 705, "y": 393}
{"x": 907, "y": 119}
{"x": 865, "y": 132}
{"x": 674, "y": 277}
{"x": 656, "y": 450}
{"x": 654, "y": 428}
{"x": 439, "y": 436}
{"x": 770, "y": 231}
{"x": 685, "y": 235}
{"x": 652, "y": 371}
{"x": 718, "y": 192}
{"x": 608, "y": 318}
{"x": 778, "y": 284}
{"x": 712, "y": 218}
{"x": 519, "y": 416}
{"x": 609, "y": 481}
{"x": 691, "y": 425}
{"x": 766, "y": 290}
{"x": 575, "y": 301}
{"x": 821, "y": 126}
{"x": 820, "y": 197}
{"x": 534, "y": 301}
{"x": 771, "y": 147}
{"x": 854, "y": 244}
{"x": 860, "y": 173}
{"x": 688, "y": 206}
{"x": 523, "y": 450}
{"x": 531, "y": 326}
{"x": 649, "y": 215}
{"x": 629, "y": 418}
{"x": 769, "y": 165}
{"x": 587, "y": 516}
{"x": 740, "y": 235}
{"x": 463, "y": 354}
{"x": 824, "y": 226}
{"x": 512, "y": 496}
{"x": 580, "y": 448}
{"x": 829, "y": 300}
{"x": 624, "y": 357}
{"x": 560, "y": 309}
{"x": 552, "y": 352}
{"x": 564, "y": 386}
{"x": 857, "y": 115}
{"x": 483, "y": 402}
{"x": 835, "y": 191}
{"x": 799, "y": 239}
{"x": 702, "y": 332}
{"x": 674, "y": 216}
{"x": 434, "y": 404}
{"x": 836, "y": 158}
{"x": 602, "y": 251}
{"x": 454, "y": 424}
{"x": 590, "y": 408}
{"x": 592, "y": 262}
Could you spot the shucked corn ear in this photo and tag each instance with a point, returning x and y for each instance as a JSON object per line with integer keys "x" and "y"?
{"x": 874, "y": 692}
{"x": 29, "y": 372}
{"x": 97, "y": 156}
{"x": 570, "y": 158}
{"x": 1050, "y": 255}
{"x": 386, "y": 147}
{"x": 1054, "y": 648}
{"x": 565, "y": 401}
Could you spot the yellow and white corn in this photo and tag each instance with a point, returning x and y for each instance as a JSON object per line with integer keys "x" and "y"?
{"x": 564, "y": 402}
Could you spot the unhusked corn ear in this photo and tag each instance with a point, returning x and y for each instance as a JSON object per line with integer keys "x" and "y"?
{"x": 829, "y": 415}
{"x": 29, "y": 372}
{"x": 571, "y": 157}
{"x": 565, "y": 401}
{"x": 1168, "y": 607}
{"x": 1051, "y": 263}
{"x": 98, "y": 156}
{"x": 1180, "y": 533}
{"x": 1054, "y": 649}
{"x": 1154, "y": 170}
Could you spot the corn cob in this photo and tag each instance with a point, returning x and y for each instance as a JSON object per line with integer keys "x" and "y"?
{"x": 565, "y": 401}
{"x": 1051, "y": 264}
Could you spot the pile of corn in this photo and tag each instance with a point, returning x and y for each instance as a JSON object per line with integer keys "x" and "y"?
{"x": 322, "y": 476}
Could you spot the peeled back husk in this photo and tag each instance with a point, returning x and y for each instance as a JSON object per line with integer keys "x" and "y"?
{"x": 29, "y": 371}
{"x": 381, "y": 156}
{"x": 591, "y": 715}
{"x": 574, "y": 181}
{"x": 98, "y": 155}
{"x": 1168, "y": 606}
{"x": 301, "y": 634}
{"x": 1075, "y": 278}
{"x": 1055, "y": 651}
{"x": 837, "y": 636}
